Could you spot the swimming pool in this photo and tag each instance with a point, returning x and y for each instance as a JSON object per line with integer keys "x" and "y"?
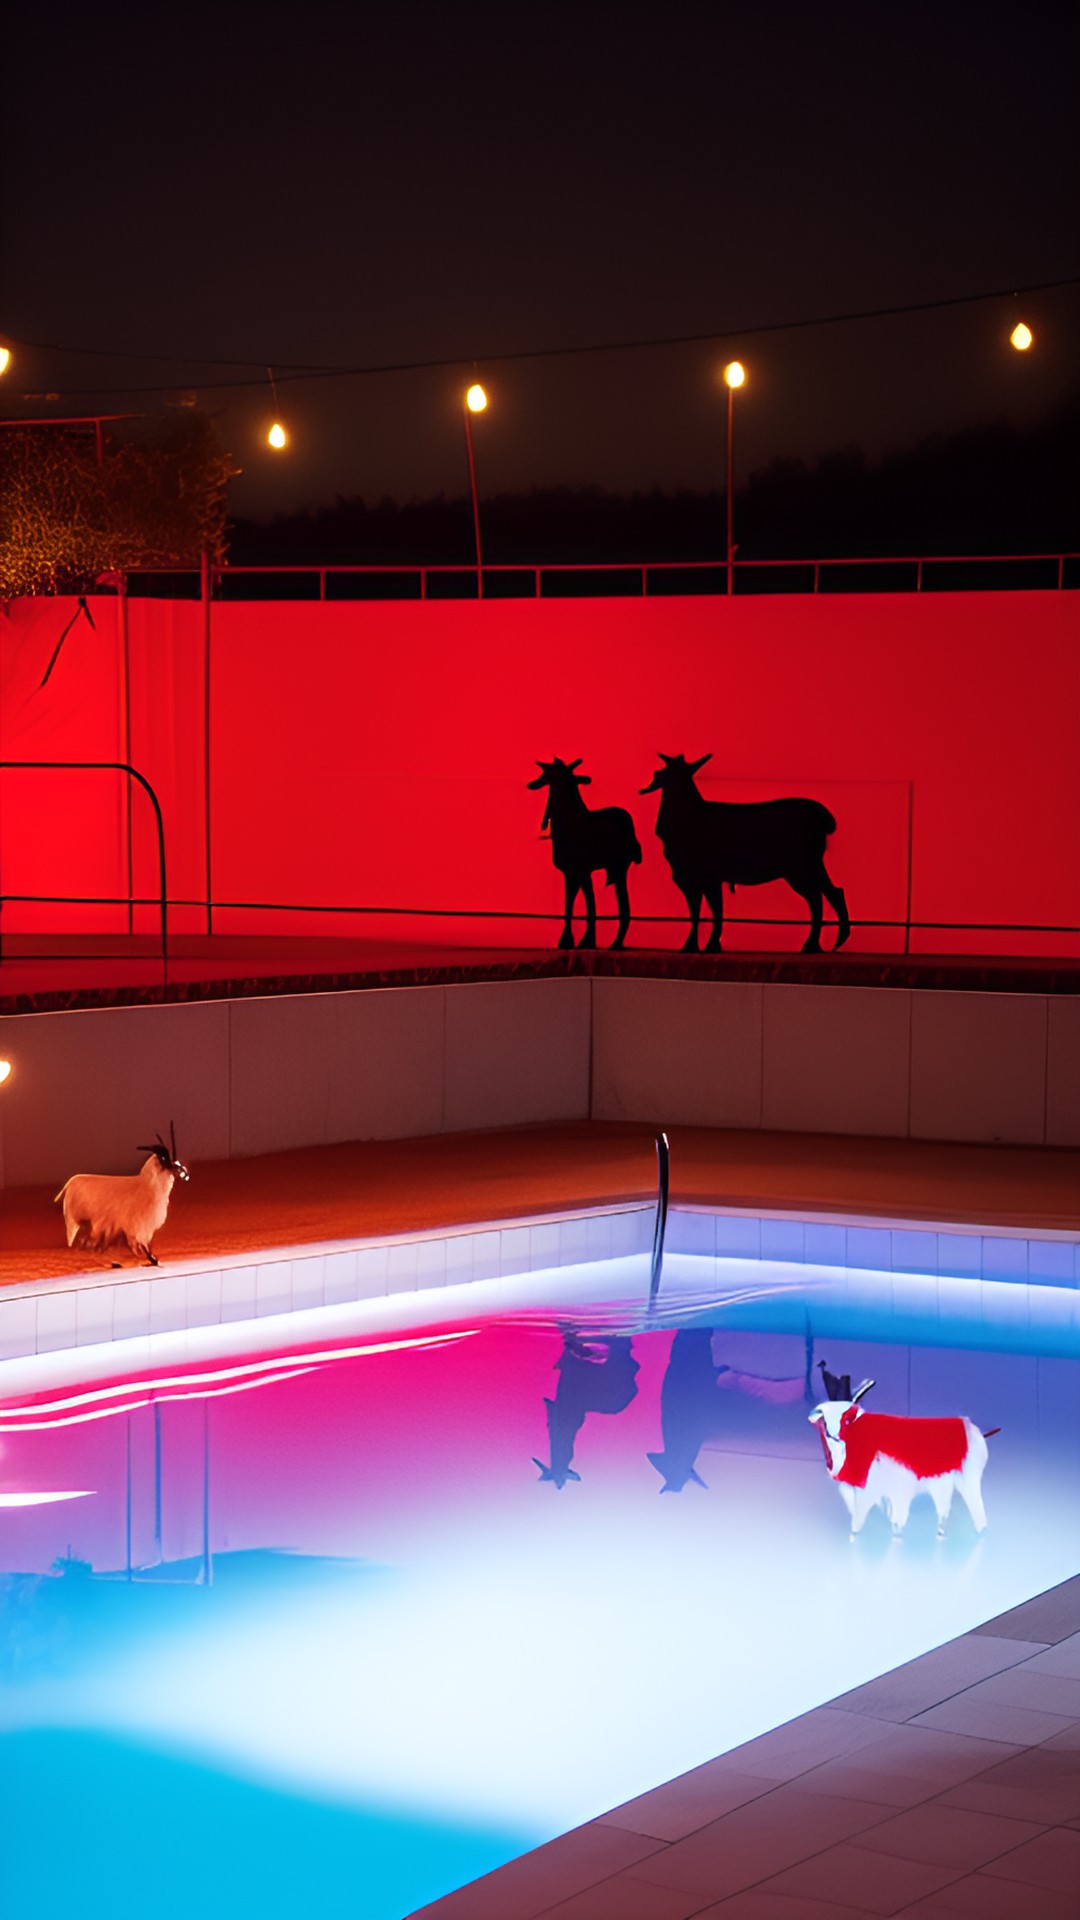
{"x": 313, "y": 1628}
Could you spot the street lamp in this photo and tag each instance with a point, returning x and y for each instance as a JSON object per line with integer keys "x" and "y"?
{"x": 5, "y": 359}
{"x": 735, "y": 376}
{"x": 1021, "y": 337}
{"x": 475, "y": 402}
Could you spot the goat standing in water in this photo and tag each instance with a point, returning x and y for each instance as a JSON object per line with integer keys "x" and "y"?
{"x": 103, "y": 1208}
{"x": 708, "y": 842}
{"x": 583, "y": 840}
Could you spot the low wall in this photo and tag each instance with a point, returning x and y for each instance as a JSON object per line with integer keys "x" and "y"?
{"x": 243, "y": 1077}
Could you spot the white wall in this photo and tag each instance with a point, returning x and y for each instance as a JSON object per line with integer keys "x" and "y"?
{"x": 252, "y": 1076}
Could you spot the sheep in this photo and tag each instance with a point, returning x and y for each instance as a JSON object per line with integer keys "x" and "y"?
{"x": 103, "y": 1208}
{"x": 708, "y": 842}
{"x": 584, "y": 839}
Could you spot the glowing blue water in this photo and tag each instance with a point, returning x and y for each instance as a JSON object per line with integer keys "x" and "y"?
{"x": 414, "y": 1657}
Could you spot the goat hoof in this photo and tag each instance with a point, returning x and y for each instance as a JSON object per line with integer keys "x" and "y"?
{"x": 587, "y": 941}
{"x": 566, "y": 940}
{"x": 842, "y": 935}
{"x": 811, "y": 946}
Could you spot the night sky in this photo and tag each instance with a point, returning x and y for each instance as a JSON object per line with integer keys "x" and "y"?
{"x": 357, "y": 185}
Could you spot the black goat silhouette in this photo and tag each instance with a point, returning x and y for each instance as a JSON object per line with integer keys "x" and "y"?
{"x": 583, "y": 840}
{"x": 695, "y": 1402}
{"x": 595, "y": 1376}
{"x": 708, "y": 842}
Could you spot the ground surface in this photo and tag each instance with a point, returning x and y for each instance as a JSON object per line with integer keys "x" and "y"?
{"x": 379, "y": 1187}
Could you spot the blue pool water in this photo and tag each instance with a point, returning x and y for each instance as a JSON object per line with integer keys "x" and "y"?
{"x": 312, "y": 1629}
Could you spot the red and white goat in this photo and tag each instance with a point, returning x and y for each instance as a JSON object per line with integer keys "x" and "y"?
{"x": 884, "y": 1459}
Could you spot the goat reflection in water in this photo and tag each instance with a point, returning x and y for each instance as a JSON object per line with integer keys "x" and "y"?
{"x": 598, "y": 1374}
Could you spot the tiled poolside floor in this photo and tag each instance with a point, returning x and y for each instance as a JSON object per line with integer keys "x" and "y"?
{"x": 948, "y": 1789}
{"x": 374, "y": 1188}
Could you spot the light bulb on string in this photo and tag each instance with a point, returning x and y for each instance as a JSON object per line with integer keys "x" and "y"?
{"x": 276, "y": 436}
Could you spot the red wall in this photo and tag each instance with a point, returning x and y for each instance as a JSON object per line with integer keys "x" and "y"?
{"x": 378, "y": 755}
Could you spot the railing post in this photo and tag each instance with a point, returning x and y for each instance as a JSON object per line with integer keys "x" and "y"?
{"x": 204, "y": 584}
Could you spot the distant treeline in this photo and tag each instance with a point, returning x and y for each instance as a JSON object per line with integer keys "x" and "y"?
{"x": 989, "y": 489}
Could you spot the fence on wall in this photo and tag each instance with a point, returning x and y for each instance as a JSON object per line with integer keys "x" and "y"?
{"x": 927, "y": 573}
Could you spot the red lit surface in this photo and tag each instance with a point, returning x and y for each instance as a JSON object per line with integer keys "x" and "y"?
{"x": 378, "y": 756}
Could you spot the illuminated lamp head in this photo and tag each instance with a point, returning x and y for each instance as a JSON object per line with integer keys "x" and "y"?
{"x": 476, "y": 399}
{"x": 5, "y": 1071}
{"x": 735, "y": 373}
{"x": 5, "y": 359}
{"x": 1021, "y": 337}
{"x": 277, "y": 436}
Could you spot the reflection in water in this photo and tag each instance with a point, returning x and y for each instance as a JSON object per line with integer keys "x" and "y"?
{"x": 355, "y": 1680}
{"x": 693, "y": 1400}
{"x": 598, "y": 1375}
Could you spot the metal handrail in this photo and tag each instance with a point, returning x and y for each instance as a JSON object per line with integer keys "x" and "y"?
{"x": 663, "y": 1166}
{"x": 537, "y": 570}
{"x": 102, "y": 766}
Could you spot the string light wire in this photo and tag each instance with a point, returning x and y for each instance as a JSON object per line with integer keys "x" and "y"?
{"x": 286, "y": 371}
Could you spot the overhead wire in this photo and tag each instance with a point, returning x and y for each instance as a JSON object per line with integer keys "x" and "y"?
{"x": 291, "y": 372}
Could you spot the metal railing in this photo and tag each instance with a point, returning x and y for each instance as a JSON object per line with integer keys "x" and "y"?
{"x": 161, "y": 900}
{"x": 541, "y": 580}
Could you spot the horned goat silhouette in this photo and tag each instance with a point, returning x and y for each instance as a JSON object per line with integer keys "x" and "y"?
{"x": 709, "y": 842}
{"x": 583, "y": 840}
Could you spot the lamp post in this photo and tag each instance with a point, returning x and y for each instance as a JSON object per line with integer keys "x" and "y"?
{"x": 475, "y": 402}
{"x": 734, "y": 376}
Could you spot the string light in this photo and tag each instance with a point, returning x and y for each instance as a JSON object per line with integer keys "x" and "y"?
{"x": 277, "y": 436}
{"x": 1021, "y": 337}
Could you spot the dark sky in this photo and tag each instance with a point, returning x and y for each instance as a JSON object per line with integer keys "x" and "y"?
{"x": 361, "y": 185}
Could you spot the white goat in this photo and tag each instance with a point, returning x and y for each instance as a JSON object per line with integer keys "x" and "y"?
{"x": 103, "y": 1208}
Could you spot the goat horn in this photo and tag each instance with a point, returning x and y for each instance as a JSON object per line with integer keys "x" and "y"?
{"x": 572, "y": 764}
{"x": 172, "y": 1137}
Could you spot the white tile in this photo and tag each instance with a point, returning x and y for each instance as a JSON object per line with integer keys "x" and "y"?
{"x": 835, "y": 1060}
{"x": 203, "y": 1299}
{"x": 689, "y": 1232}
{"x": 459, "y": 1259}
{"x": 18, "y": 1327}
{"x": 631, "y": 1233}
{"x": 960, "y": 1254}
{"x": 168, "y": 1302}
{"x": 385, "y": 1080}
{"x": 516, "y": 1051}
{"x": 1004, "y": 1259}
{"x": 370, "y": 1268}
{"x": 158, "y": 1063}
{"x": 870, "y": 1247}
{"x": 826, "y": 1246}
{"x": 280, "y": 1047}
{"x": 573, "y": 1243}
{"x": 677, "y": 1052}
{"x": 598, "y": 1237}
{"x": 431, "y": 1263}
{"x": 544, "y": 1245}
{"x": 487, "y": 1262}
{"x": 739, "y": 1238}
{"x": 978, "y": 1066}
{"x": 273, "y": 1287}
{"x": 1050, "y": 1262}
{"x": 914, "y": 1251}
{"x": 514, "y": 1250}
{"x": 238, "y": 1293}
{"x": 339, "y": 1277}
{"x": 783, "y": 1240}
{"x": 1063, "y": 1071}
{"x": 131, "y": 1310}
{"x": 307, "y": 1280}
{"x": 402, "y": 1268}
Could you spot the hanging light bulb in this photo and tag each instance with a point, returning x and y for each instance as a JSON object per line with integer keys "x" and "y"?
{"x": 5, "y": 359}
{"x": 476, "y": 399}
{"x": 276, "y": 436}
{"x": 1021, "y": 337}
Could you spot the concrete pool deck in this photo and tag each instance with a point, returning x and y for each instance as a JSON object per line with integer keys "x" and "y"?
{"x": 948, "y": 1789}
{"x": 374, "y": 1188}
